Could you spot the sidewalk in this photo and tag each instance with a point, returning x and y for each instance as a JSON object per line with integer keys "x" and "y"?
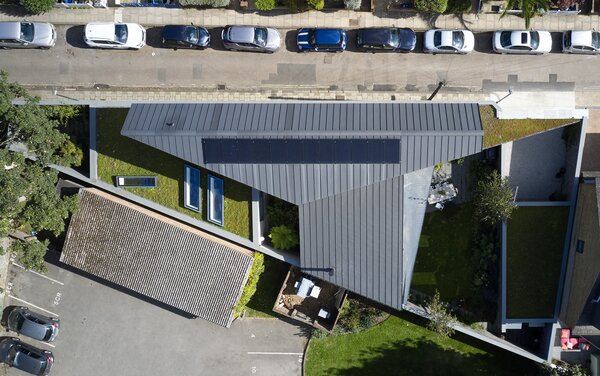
{"x": 150, "y": 16}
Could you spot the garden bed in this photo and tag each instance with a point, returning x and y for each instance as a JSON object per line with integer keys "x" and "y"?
{"x": 534, "y": 250}
{"x": 120, "y": 155}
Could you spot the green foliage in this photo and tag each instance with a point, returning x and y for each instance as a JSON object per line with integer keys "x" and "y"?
{"x": 438, "y": 167}
{"x": 430, "y": 6}
{"x": 71, "y": 153}
{"x": 265, "y": 4}
{"x": 529, "y": 8}
{"x": 62, "y": 113}
{"x": 440, "y": 319}
{"x": 356, "y": 316}
{"x": 280, "y": 212}
{"x": 352, "y": 4}
{"x": 38, "y": 6}
{"x": 493, "y": 199}
{"x": 318, "y": 333}
{"x": 316, "y": 4}
{"x": 30, "y": 254}
{"x": 283, "y": 237}
{"x": 204, "y": 3}
{"x": 258, "y": 267}
{"x": 562, "y": 369}
{"x": 485, "y": 253}
{"x": 46, "y": 210}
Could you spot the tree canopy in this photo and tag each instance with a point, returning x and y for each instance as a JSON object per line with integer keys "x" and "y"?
{"x": 493, "y": 199}
{"x": 530, "y": 8}
{"x": 30, "y": 140}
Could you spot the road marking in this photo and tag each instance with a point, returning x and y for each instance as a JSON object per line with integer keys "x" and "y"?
{"x": 272, "y": 353}
{"x": 36, "y": 273}
{"x": 46, "y": 343}
{"x": 33, "y": 305}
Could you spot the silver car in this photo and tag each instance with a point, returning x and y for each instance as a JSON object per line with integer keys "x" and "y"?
{"x": 251, "y": 38}
{"x": 15, "y": 34}
{"x": 34, "y": 325}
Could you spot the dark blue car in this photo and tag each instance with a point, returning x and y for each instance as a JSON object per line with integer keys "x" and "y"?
{"x": 392, "y": 39}
{"x": 327, "y": 40}
{"x": 185, "y": 36}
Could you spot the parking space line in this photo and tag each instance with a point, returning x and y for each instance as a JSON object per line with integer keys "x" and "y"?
{"x": 36, "y": 273}
{"x": 272, "y": 353}
{"x": 47, "y": 344}
{"x": 33, "y": 305}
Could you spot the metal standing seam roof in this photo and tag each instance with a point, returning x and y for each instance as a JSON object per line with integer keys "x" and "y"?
{"x": 351, "y": 214}
{"x": 157, "y": 257}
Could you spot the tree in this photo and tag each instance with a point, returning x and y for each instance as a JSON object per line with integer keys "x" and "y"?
{"x": 440, "y": 320}
{"x": 265, "y": 4}
{"x": 493, "y": 199}
{"x": 38, "y": 6}
{"x": 316, "y": 4}
{"x": 562, "y": 369}
{"x": 352, "y": 4}
{"x": 30, "y": 139}
{"x": 30, "y": 253}
{"x": 431, "y": 6}
{"x": 529, "y": 8}
{"x": 283, "y": 237}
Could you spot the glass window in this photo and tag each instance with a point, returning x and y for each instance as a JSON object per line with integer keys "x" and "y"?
{"x": 535, "y": 39}
{"x": 596, "y": 40}
{"x": 394, "y": 38}
{"x": 27, "y": 31}
{"x": 260, "y": 36}
{"x": 192, "y": 35}
{"x": 437, "y": 38}
{"x": 505, "y": 38}
{"x": 121, "y": 33}
{"x": 567, "y": 39}
{"x": 458, "y": 39}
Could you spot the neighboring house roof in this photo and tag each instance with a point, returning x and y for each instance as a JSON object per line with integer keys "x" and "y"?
{"x": 345, "y": 164}
{"x": 157, "y": 257}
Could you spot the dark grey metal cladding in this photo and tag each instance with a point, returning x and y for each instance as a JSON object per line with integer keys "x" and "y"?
{"x": 358, "y": 234}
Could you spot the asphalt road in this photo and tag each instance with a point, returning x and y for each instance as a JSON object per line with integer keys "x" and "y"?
{"x": 71, "y": 64}
{"x": 108, "y": 332}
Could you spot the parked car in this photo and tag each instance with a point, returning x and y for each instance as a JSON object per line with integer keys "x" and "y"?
{"x": 386, "y": 39}
{"x": 530, "y": 42}
{"x": 251, "y": 38}
{"x": 27, "y": 35}
{"x": 25, "y": 357}
{"x": 448, "y": 41}
{"x": 321, "y": 39}
{"x": 32, "y": 324}
{"x": 581, "y": 42}
{"x": 115, "y": 35}
{"x": 185, "y": 36}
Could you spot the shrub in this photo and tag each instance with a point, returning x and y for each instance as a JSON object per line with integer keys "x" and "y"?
{"x": 316, "y": 4}
{"x": 493, "y": 199}
{"x": 280, "y": 212}
{"x": 31, "y": 253}
{"x": 258, "y": 267}
{"x": 356, "y": 316}
{"x": 265, "y": 4}
{"x": 440, "y": 320}
{"x": 204, "y": 3}
{"x": 71, "y": 153}
{"x": 283, "y": 237}
{"x": 431, "y": 6}
{"x": 352, "y": 4}
{"x": 38, "y": 6}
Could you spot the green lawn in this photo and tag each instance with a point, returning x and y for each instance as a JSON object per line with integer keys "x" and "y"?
{"x": 535, "y": 241}
{"x": 402, "y": 346}
{"x": 445, "y": 256}
{"x": 119, "y": 155}
{"x": 268, "y": 286}
{"x": 497, "y": 131}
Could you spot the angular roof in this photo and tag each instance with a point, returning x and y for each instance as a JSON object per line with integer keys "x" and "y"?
{"x": 345, "y": 165}
{"x": 157, "y": 257}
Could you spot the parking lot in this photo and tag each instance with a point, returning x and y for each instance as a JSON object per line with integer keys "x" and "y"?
{"x": 105, "y": 331}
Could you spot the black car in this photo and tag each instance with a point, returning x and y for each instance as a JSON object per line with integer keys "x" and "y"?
{"x": 185, "y": 36}
{"x": 25, "y": 357}
{"x": 31, "y": 324}
{"x": 386, "y": 39}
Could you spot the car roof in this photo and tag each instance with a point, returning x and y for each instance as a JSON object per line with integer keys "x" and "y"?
{"x": 100, "y": 30}
{"x": 328, "y": 36}
{"x": 375, "y": 35}
{"x": 10, "y": 30}
{"x": 241, "y": 34}
{"x": 520, "y": 38}
{"x": 26, "y": 361}
{"x": 178, "y": 32}
{"x": 581, "y": 37}
{"x": 34, "y": 329}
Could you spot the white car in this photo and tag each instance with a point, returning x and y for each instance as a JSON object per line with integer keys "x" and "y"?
{"x": 530, "y": 42}
{"x": 581, "y": 42}
{"x": 115, "y": 35}
{"x": 448, "y": 41}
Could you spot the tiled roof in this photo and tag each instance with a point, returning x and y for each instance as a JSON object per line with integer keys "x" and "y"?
{"x": 157, "y": 257}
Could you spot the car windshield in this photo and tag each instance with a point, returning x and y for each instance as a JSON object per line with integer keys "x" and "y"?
{"x": 535, "y": 39}
{"x": 260, "y": 36}
{"x": 121, "y": 33}
{"x": 27, "y": 31}
{"x": 505, "y": 38}
{"x": 191, "y": 34}
{"x": 458, "y": 39}
{"x": 16, "y": 320}
{"x": 437, "y": 38}
{"x": 596, "y": 40}
{"x": 394, "y": 38}
{"x": 567, "y": 39}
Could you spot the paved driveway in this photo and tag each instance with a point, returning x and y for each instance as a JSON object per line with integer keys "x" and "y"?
{"x": 71, "y": 64}
{"x": 107, "y": 332}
